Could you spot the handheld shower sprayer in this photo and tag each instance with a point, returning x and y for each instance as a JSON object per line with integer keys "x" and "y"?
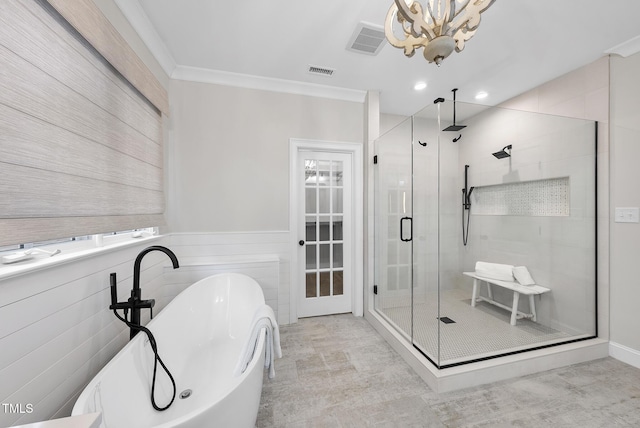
{"x": 466, "y": 205}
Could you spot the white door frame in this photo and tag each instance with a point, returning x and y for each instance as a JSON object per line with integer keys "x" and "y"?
{"x": 356, "y": 151}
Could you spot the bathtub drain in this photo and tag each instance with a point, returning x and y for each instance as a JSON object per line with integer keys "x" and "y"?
{"x": 185, "y": 394}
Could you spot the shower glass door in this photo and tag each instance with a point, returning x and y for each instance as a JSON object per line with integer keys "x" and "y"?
{"x": 393, "y": 214}
{"x": 406, "y": 232}
{"x": 426, "y": 233}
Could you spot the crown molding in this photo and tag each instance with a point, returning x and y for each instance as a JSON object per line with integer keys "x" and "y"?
{"x": 625, "y": 49}
{"x": 204, "y": 75}
{"x": 137, "y": 17}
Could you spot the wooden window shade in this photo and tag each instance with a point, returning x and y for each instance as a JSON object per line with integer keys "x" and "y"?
{"x": 80, "y": 147}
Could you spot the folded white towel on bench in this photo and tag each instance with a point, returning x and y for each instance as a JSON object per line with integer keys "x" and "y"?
{"x": 523, "y": 276}
{"x": 495, "y": 271}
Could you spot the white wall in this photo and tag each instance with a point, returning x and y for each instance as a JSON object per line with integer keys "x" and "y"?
{"x": 625, "y": 237}
{"x": 229, "y": 167}
{"x": 230, "y": 160}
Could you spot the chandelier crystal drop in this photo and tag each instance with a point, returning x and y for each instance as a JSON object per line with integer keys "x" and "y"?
{"x": 445, "y": 25}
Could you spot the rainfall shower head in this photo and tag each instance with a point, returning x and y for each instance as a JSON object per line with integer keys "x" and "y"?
{"x": 503, "y": 153}
{"x": 454, "y": 127}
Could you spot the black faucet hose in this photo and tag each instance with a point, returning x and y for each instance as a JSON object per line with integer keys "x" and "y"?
{"x": 157, "y": 359}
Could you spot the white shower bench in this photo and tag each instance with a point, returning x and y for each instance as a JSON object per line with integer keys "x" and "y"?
{"x": 517, "y": 288}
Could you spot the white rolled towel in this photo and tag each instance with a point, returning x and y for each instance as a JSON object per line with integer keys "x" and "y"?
{"x": 494, "y": 271}
{"x": 523, "y": 276}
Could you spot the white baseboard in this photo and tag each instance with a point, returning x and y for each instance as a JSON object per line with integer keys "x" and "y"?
{"x": 625, "y": 354}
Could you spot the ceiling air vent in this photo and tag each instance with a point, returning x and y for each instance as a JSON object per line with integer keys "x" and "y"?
{"x": 367, "y": 39}
{"x": 322, "y": 71}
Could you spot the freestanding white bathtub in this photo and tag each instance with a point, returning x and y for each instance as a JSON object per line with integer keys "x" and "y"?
{"x": 200, "y": 335}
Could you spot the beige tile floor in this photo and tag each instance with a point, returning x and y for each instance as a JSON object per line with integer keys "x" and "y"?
{"x": 338, "y": 372}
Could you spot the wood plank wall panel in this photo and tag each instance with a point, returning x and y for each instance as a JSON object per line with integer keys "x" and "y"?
{"x": 89, "y": 21}
{"x": 50, "y": 354}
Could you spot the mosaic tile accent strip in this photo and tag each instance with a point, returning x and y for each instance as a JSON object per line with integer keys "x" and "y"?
{"x": 542, "y": 198}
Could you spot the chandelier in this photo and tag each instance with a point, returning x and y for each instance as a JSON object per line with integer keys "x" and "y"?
{"x": 444, "y": 26}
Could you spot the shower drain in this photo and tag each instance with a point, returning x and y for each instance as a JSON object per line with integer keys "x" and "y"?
{"x": 185, "y": 394}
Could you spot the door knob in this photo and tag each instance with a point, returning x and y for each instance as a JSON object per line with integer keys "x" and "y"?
{"x": 301, "y": 242}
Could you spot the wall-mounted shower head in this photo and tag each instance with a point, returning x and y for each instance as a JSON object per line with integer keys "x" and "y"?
{"x": 503, "y": 153}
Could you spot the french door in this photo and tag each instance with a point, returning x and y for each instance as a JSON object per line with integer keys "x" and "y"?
{"x": 325, "y": 232}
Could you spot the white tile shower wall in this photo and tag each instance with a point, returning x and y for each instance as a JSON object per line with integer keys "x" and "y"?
{"x": 559, "y": 251}
{"x": 252, "y": 253}
{"x": 56, "y": 331}
{"x": 584, "y": 93}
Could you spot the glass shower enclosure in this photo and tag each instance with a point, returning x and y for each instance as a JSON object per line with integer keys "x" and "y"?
{"x": 504, "y": 189}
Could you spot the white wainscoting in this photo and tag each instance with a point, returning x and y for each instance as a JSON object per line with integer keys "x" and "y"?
{"x": 263, "y": 268}
{"x": 265, "y": 256}
{"x": 56, "y": 331}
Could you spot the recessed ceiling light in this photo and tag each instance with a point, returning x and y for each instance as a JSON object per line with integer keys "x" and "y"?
{"x": 481, "y": 95}
{"x": 420, "y": 86}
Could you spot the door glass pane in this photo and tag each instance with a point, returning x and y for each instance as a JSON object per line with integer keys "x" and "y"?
{"x": 311, "y": 285}
{"x": 337, "y": 283}
{"x": 336, "y": 195}
{"x": 310, "y": 233}
{"x": 310, "y": 200}
{"x": 310, "y": 174}
{"x": 337, "y": 229}
{"x": 336, "y": 173}
{"x": 311, "y": 256}
{"x": 324, "y": 256}
{"x": 324, "y": 201}
{"x": 337, "y": 255}
{"x": 324, "y": 228}
{"x": 324, "y": 170}
{"x": 325, "y": 284}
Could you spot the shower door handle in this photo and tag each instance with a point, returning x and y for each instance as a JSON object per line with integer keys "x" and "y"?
{"x": 402, "y": 220}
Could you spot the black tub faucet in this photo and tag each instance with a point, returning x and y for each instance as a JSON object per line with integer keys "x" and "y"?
{"x": 135, "y": 302}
